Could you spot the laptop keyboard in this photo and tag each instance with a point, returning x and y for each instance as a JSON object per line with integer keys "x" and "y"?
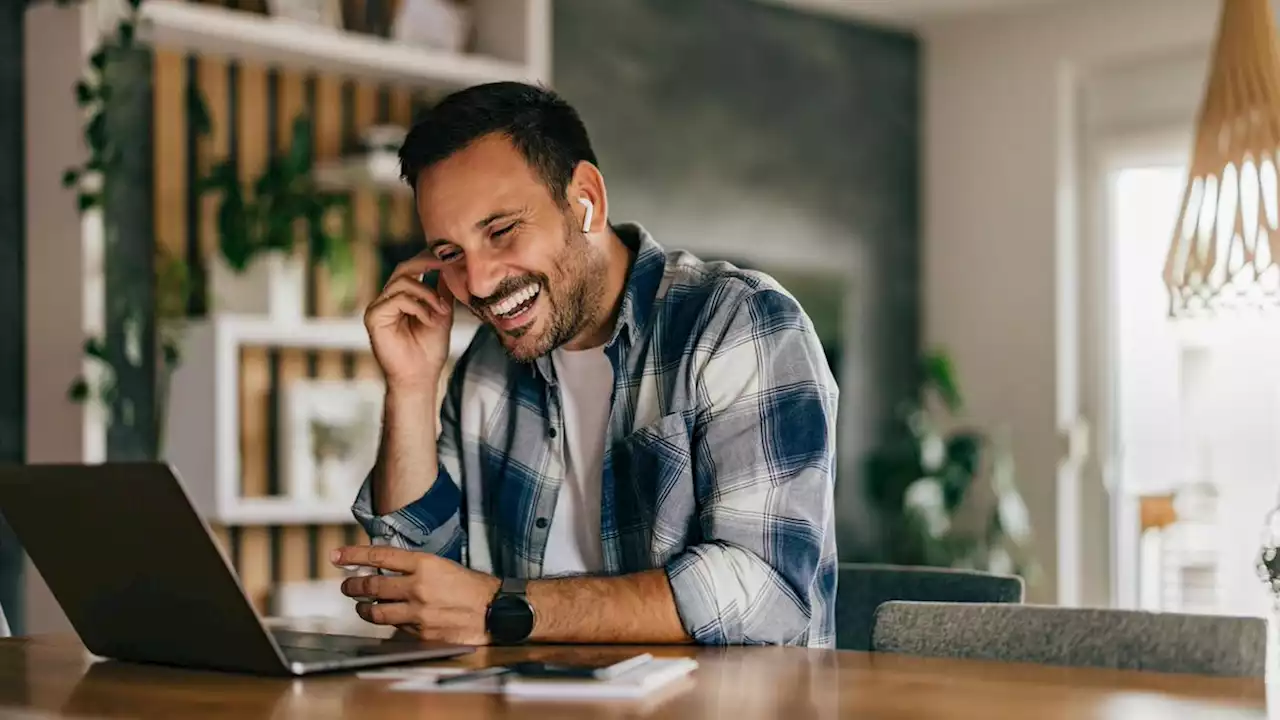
{"x": 325, "y": 642}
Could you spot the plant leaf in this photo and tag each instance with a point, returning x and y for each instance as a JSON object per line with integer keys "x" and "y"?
{"x": 233, "y": 229}
{"x": 70, "y": 177}
{"x": 79, "y": 391}
{"x": 299, "y": 158}
{"x": 939, "y": 373}
{"x": 171, "y": 354}
{"x": 84, "y": 93}
{"x": 94, "y": 347}
{"x": 96, "y": 132}
{"x": 87, "y": 201}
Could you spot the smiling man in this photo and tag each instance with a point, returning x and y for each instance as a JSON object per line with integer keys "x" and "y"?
{"x": 637, "y": 446}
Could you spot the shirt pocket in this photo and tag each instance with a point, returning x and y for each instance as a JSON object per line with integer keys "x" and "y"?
{"x": 653, "y": 469}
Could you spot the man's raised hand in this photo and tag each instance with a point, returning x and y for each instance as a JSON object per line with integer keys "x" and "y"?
{"x": 409, "y": 326}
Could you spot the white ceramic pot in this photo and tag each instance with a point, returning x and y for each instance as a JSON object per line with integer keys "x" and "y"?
{"x": 326, "y": 13}
{"x": 273, "y": 284}
{"x": 437, "y": 24}
{"x": 382, "y": 147}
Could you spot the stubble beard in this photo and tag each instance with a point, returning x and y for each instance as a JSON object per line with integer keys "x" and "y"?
{"x": 573, "y": 293}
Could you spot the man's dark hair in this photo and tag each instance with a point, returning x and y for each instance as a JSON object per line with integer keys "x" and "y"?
{"x": 542, "y": 126}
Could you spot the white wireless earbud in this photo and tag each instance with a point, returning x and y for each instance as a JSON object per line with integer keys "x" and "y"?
{"x": 586, "y": 218}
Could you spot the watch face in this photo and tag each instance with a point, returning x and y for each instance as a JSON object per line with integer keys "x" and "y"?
{"x": 510, "y": 619}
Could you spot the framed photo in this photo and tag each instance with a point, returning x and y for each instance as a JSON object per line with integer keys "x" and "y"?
{"x": 330, "y": 432}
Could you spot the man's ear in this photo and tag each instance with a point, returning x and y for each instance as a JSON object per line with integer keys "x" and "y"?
{"x": 587, "y": 197}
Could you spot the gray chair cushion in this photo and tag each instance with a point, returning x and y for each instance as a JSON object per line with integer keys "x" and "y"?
{"x": 861, "y": 588}
{"x": 1082, "y": 637}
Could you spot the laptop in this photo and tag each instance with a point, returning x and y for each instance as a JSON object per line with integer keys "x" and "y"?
{"x": 141, "y": 578}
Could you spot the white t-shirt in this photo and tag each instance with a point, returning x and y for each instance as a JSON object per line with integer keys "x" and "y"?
{"x": 585, "y": 380}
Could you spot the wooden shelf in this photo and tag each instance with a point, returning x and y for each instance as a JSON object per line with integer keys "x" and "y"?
{"x": 217, "y": 31}
{"x": 341, "y": 333}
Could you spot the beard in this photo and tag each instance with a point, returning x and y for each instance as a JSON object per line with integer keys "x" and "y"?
{"x": 573, "y": 293}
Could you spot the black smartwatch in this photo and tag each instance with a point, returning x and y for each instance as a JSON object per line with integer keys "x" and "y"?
{"x": 509, "y": 619}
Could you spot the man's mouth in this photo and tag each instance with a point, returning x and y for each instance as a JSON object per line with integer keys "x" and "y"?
{"x": 516, "y": 304}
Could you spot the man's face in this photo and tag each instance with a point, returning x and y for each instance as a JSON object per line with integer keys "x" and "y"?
{"x": 512, "y": 253}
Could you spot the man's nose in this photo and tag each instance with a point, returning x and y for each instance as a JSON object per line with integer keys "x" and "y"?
{"x": 483, "y": 275}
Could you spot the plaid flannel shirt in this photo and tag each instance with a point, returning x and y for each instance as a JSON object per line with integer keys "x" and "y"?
{"x": 719, "y": 464}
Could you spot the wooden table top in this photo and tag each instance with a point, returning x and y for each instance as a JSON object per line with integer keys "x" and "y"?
{"x": 53, "y": 676}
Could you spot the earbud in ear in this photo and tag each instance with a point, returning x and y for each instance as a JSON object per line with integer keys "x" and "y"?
{"x": 586, "y": 217}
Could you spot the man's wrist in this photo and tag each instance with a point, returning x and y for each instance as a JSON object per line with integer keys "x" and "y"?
{"x": 413, "y": 393}
{"x": 510, "y": 618}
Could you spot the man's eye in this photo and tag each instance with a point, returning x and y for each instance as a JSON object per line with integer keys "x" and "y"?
{"x": 448, "y": 254}
{"x": 504, "y": 230}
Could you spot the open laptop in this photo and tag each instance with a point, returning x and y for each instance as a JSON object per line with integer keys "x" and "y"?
{"x": 141, "y": 578}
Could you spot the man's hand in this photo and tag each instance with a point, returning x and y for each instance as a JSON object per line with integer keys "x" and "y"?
{"x": 409, "y": 326}
{"x": 433, "y": 598}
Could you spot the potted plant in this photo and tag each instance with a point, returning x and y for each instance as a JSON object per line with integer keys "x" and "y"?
{"x": 943, "y": 493}
{"x": 256, "y": 269}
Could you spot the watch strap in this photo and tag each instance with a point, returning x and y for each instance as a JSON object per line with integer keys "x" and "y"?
{"x": 513, "y": 586}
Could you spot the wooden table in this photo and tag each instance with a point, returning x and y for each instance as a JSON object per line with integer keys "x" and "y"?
{"x": 53, "y": 676}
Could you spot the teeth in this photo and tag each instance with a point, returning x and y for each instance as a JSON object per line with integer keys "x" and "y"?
{"x": 515, "y": 300}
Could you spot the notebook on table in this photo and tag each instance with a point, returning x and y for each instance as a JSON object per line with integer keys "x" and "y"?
{"x": 643, "y": 680}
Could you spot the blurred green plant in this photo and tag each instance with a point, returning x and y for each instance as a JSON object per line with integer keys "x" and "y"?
{"x": 264, "y": 215}
{"x": 944, "y": 494}
{"x": 94, "y": 92}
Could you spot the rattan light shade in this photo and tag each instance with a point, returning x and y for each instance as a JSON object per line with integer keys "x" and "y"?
{"x": 1225, "y": 244}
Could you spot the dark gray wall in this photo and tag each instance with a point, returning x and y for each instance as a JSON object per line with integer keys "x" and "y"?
{"x": 737, "y": 129}
{"x": 13, "y": 306}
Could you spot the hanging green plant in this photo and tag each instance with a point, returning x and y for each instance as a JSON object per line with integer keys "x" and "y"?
{"x": 94, "y": 92}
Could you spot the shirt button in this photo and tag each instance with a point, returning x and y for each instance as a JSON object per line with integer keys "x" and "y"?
{"x": 552, "y": 432}
{"x": 540, "y": 522}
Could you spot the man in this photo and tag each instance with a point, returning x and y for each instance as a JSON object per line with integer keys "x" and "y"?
{"x": 636, "y": 447}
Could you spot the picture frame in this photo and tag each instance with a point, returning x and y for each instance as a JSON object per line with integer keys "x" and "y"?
{"x": 330, "y": 434}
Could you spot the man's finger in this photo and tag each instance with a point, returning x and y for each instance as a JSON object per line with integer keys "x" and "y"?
{"x": 378, "y": 587}
{"x": 415, "y": 266}
{"x": 378, "y": 556}
{"x": 388, "y": 311}
{"x": 411, "y": 286}
{"x": 395, "y": 613}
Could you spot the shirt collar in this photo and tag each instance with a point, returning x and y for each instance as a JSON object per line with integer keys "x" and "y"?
{"x": 643, "y": 279}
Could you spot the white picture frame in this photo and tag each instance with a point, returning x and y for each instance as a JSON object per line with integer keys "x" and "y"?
{"x": 330, "y": 430}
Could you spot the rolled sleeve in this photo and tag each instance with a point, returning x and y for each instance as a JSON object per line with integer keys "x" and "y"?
{"x": 428, "y": 524}
{"x": 763, "y": 462}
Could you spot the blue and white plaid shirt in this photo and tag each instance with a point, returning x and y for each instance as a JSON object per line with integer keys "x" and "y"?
{"x": 719, "y": 463}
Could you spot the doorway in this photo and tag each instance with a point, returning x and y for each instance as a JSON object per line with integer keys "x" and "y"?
{"x": 1187, "y": 411}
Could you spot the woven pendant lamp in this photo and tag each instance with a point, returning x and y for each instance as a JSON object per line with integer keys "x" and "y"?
{"x": 1225, "y": 245}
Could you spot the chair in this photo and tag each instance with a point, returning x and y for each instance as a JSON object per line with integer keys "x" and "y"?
{"x": 861, "y": 588}
{"x": 1080, "y": 637}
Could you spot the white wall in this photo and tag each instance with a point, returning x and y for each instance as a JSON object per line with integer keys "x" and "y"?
{"x": 63, "y": 274}
{"x": 1004, "y": 101}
